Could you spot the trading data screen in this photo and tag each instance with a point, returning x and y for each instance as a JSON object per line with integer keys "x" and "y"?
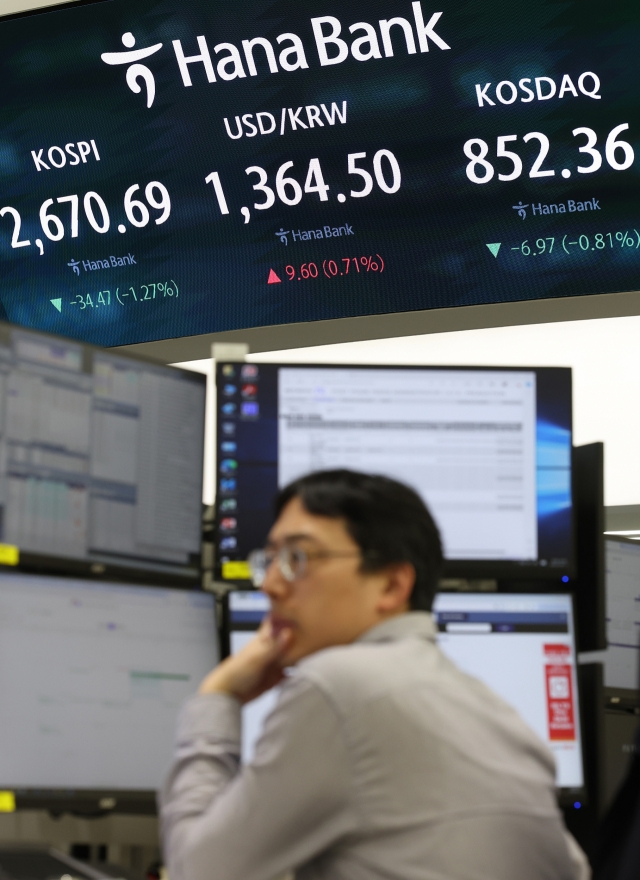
{"x": 488, "y": 450}
{"x": 92, "y": 677}
{"x": 622, "y": 657}
{"x": 522, "y": 647}
{"x": 246, "y": 611}
{"x": 178, "y": 168}
{"x": 100, "y": 455}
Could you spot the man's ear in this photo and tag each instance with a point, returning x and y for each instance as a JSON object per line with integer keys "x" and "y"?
{"x": 399, "y": 583}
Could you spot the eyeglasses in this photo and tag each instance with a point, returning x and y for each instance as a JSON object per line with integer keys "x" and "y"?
{"x": 292, "y": 562}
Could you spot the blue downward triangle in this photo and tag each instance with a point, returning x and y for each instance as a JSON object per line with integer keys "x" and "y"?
{"x": 494, "y": 248}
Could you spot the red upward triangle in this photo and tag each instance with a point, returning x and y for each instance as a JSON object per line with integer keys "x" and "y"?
{"x": 273, "y": 278}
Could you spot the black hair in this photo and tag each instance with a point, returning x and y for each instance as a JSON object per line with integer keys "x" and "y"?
{"x": 387, "y": 520}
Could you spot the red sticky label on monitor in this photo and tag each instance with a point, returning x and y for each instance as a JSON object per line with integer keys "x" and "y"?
{"x": 559, "y": 684}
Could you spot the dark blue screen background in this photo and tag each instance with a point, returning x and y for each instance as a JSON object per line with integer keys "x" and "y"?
{"x": 430, "y": 236}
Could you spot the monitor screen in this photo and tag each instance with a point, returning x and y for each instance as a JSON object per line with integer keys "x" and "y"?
{"x": 179, "y": 168}
{"x": 489, "y": 450}
{"x": 92, "y": 677}
{"x": 622, "y": 580}
{"x": 101, "y": 456}
{"x": 521, "y": 646}
{"x": 245, "y": 610}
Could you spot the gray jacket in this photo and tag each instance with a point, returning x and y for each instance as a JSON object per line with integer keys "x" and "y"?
{"x": 380, "y": 760}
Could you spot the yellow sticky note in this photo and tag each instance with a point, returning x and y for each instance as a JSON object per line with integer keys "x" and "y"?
{"x": 7, "y": 802}
{"x": 236, "y": 571}
{"x": 9, "y": 555}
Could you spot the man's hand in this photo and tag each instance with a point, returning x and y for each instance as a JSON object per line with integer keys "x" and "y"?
{"x": 252, "y": 671}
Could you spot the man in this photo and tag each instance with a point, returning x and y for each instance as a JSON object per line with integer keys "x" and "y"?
{"x": 381, "y": 759}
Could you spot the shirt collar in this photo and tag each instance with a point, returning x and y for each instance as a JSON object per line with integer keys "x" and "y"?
{"x": 414, "y": 623}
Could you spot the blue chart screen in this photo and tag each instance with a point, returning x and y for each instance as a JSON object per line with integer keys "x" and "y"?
{"x": 169, "y": 169}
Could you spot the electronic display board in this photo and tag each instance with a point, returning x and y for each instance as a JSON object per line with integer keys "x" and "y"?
{"x": 172, "y": 169}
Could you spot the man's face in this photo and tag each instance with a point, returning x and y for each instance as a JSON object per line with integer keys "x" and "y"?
{"x": 334, "y": 602}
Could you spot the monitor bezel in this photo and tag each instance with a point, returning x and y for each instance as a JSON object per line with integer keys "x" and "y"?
{"x": 502, "y": 570}
{"x": 622, "y": 539}
{"x": 89, "y": 803}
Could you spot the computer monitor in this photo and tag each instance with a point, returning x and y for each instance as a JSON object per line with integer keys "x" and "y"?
{"x": 489, "y": 450}
{"x": 244, "y": 611}
{"x": 101, "y": 459}
{"x": 522, "y": 646}
{"x": 622, "y": 579}
{"x": 92, "y": 677}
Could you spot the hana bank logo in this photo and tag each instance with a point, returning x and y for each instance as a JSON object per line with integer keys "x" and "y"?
{"x": 521, "y": 209}
{"x": 136, "y": 71}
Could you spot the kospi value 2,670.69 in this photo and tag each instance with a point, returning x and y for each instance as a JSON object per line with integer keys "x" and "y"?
{"x": 96, "y": 214}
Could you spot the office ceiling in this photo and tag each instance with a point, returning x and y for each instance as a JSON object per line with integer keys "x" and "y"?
{"x": 9, "y": 7}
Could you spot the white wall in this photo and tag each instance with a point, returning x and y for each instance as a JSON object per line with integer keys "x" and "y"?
{"x": 604, "y": 355}
{"x": 8, "y": 7}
